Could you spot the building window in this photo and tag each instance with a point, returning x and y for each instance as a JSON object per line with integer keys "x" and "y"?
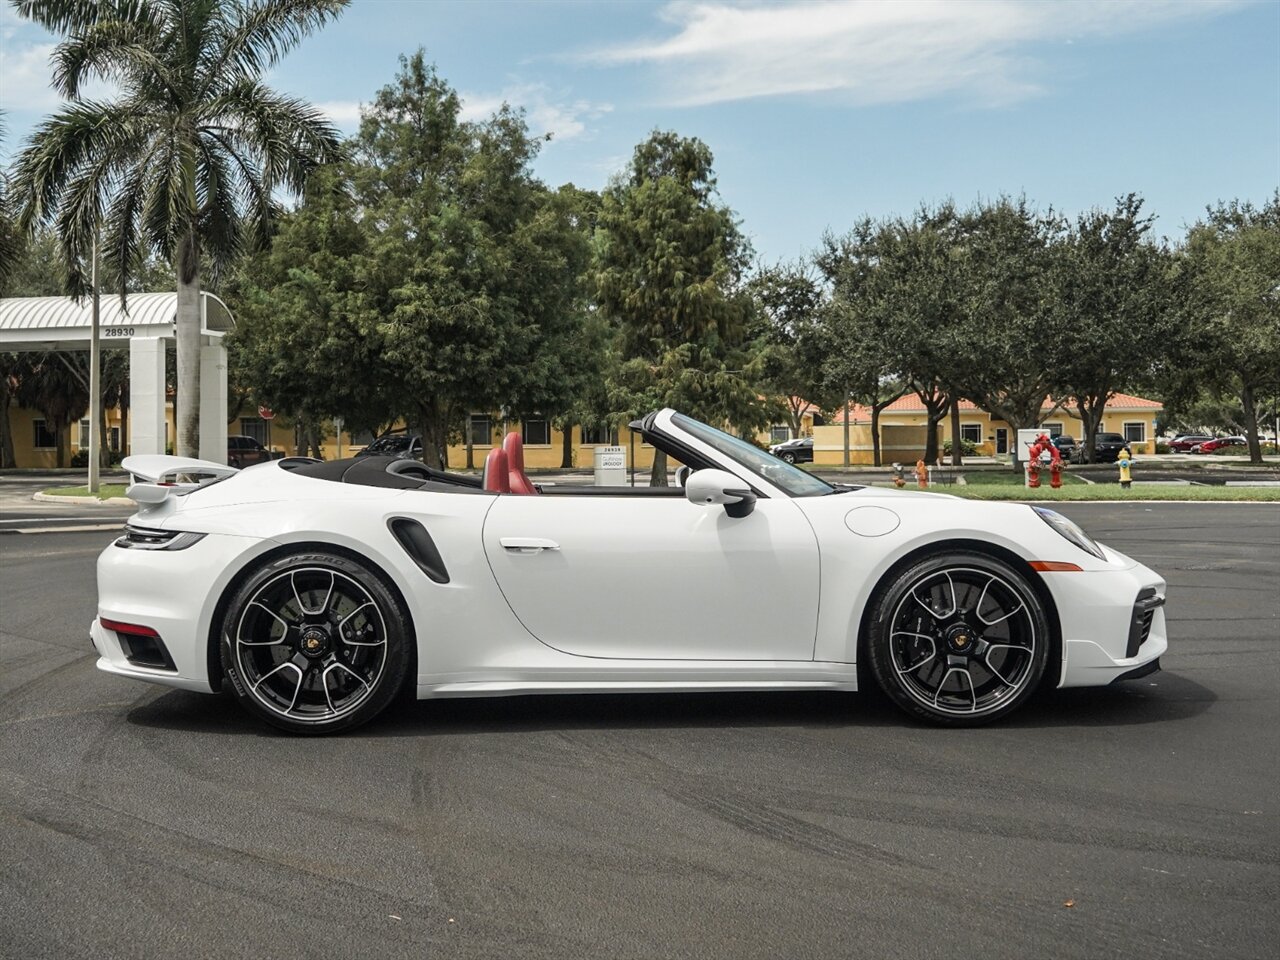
{"x": 599, "y": 434}
{"x": 1135, "y": 431}
{"x": 971, "y": 432}
{"x": 536, "y": 432}
{"x": 819, "y": 420}
{"x": 1053, "y": 429}
{"x": 115, "y": 439}
{"x": 42, "y": 437}
{"x": 255, "y": 427}
{"x": 481, "y": 430}
{"x": 779, "y": 433}
{"x": 83, "y": 440}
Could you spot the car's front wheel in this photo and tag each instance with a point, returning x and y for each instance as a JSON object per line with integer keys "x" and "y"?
{"x": 315, "y": 642}
{"x": 789, "y": 457}
{"x": 958, "y": 639}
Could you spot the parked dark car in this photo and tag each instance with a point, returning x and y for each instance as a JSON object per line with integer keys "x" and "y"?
{"x": 1217, "y": 443}
{"x": 1184, "y": 442}
{"x": 402, "y": 446}
{"x": 1106, "y": 449}
{"x": 246, "y": 451}
{"x": 794, "y": 451}
{"x": 1066, "y": 445}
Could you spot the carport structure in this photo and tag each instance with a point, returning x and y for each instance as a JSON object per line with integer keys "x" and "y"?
{"x": 142, "y": 324}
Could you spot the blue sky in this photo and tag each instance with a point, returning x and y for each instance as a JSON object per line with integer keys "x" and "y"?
{"x": 821, "y": 112}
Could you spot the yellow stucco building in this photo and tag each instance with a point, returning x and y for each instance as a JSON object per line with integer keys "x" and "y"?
{"x": 903, "y": 426}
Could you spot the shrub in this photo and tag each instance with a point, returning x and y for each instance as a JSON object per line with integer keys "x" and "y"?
{"x": 81, "y": 458}
{"x": 1163, "y": 448}
{"x": 967, "y": 447}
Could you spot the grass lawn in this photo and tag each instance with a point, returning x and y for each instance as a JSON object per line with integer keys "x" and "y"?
{"x": 105, "y": 491}
{"x": 1013, "y": 490}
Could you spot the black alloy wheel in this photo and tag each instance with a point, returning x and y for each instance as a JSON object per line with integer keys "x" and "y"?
{"x": 314, "y": 643}
{"x": 958, "y": 639}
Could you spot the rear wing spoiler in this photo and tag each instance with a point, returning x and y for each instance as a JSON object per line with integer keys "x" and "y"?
{"x": 155, "y": 477}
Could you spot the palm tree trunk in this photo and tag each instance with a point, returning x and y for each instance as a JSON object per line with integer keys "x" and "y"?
{"x": 187, "y": 413}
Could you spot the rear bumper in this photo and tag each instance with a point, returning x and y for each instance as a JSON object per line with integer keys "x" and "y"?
{"x": 112, "y": 658}
{"x": 172, "y": 593}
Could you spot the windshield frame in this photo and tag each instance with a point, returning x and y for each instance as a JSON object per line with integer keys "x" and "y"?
{"x": 752, "y": 459}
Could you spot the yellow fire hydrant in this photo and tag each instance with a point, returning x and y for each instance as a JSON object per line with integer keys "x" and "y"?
{"x": 1125, "y": 463}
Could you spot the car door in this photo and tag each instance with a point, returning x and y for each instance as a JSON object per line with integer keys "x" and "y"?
{"x": 657, "y": 577}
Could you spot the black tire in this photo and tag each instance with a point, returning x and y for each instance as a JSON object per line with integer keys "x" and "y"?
{"x": 314, "y": 643}
{"x": 954, "y": 620}
{"x": 789, "y": 457}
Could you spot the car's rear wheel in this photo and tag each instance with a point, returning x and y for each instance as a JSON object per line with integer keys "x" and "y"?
{"x": 958, "y": 639}
{"x": 314, "y": 643}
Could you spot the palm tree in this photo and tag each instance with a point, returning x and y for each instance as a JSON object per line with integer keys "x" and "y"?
{"x": 10, "y": 242}
{"x": 185, "y": 161}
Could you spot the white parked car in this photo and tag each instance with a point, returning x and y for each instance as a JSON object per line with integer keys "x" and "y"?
{"x": 317, "y": 591}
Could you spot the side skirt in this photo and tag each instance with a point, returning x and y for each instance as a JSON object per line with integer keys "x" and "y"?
{"x": 649, "y": 678}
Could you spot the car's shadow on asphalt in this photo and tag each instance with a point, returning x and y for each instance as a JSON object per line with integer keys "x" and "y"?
{"x": 1161, "y": 698}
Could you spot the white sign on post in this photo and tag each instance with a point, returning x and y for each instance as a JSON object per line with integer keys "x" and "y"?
{"x": 610, "y": 466}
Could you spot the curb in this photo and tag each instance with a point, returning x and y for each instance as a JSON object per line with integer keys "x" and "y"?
{"x": 81, "y": 501}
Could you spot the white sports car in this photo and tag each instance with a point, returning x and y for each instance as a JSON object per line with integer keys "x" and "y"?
{"x": 317, "y": 591}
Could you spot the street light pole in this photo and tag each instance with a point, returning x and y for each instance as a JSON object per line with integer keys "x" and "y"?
{"x": 95, "y": 389}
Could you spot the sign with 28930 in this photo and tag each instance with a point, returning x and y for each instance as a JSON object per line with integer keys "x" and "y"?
{"x": 108, "y": 332}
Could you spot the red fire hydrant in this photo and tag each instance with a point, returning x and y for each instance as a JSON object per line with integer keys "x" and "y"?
{"x": 1042, "y": 446}
{"x": 922, "y": 475}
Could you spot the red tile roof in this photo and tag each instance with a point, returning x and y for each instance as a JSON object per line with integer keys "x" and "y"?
{"x": 912, "y": 404}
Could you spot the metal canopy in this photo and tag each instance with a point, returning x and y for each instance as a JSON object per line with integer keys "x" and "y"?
{"x": 59, "y": 323}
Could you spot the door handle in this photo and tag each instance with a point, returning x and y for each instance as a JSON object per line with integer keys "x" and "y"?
{"x": 527, "y": 544}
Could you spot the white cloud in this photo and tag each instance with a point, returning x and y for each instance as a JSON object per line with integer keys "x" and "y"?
{"x": 564, "y": 120}
{"x": 345, "y": 114}
{"x": 25, "y": 82}
{"x": 875, "y": 51}
{"x": 26, "y": 75}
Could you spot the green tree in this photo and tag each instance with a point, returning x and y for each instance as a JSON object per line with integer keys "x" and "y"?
{"x": 473, "y": 273}
{"x": 1005, "y": 252}
{"x": 304, "y": 318}
{"x": 857, "y": 324}
{"x": 787, "y": 340}
{"x": 1232, "y": 258}
{"x": 1116, "y": 323}
{"x": 185, "y": 161}
{"x": 669, "y": 265}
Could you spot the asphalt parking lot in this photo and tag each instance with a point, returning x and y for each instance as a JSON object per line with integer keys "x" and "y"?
{"x": 1134, "y": 821}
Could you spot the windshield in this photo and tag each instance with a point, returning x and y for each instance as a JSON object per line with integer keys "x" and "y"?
{"x": 764, "y": 465}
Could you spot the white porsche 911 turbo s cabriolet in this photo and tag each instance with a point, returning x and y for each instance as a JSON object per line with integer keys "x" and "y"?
{"x": 317, "y": 591}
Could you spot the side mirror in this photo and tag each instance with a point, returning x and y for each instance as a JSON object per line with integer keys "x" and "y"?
{"x": 719, "y": 486}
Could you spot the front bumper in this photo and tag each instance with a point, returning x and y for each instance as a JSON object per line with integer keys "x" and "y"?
{"x": 1113, "y": 622}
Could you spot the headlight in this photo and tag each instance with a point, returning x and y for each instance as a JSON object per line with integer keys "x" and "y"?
{"x": 1070, "y": 530}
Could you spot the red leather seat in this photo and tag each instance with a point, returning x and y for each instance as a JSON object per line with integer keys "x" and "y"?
{"x": 497, "y": 478}
{"x": 514, "y": 448}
